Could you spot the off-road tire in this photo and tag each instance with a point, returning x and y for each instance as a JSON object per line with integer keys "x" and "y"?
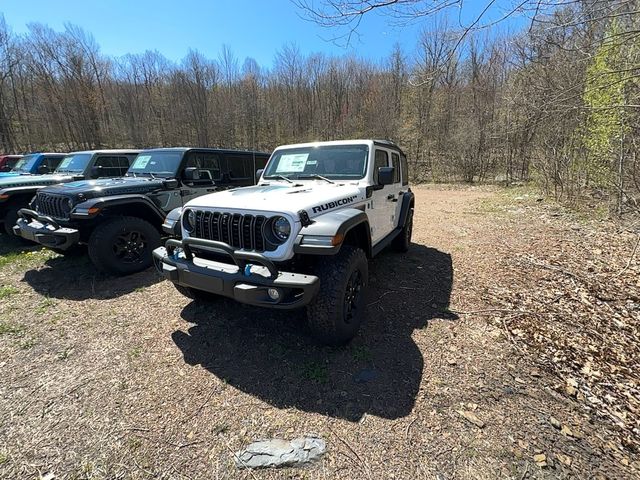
{"x": 195, "y": 294}
{"x": 10, "y": 219}
{"x": 106, "y": 245}
{"x": 402, "y": 242}
{"x": 327, "y": 314}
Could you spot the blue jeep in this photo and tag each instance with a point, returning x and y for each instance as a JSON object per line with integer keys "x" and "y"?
{"x": 35, "y": 164}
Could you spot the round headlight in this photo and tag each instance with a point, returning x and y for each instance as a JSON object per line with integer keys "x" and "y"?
{"x": 281, "y": 228}
{"x": 189, "y": 220}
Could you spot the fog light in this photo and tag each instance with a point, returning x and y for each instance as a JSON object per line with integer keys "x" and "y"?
{"x": 274, "y": 293}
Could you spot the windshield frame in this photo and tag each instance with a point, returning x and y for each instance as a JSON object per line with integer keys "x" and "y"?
{"x": 271, "y": 172}
{"x": 64, "y": 170}
{"x": 143, "y": 172}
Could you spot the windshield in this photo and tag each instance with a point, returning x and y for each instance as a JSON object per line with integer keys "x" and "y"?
{"x": 25, "y": 164}
{"x": 74, "y": 163}
{"x": 155, "y": 164}
{"x": 337, "y": 162}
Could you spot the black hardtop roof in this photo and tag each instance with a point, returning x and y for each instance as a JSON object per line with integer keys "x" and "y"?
{"x": 119, "y": 151}
{"x": 388, "y": 144}
{"x": 203, "y": 149}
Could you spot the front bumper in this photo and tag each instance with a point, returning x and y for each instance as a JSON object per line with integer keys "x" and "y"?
{"x": 44, "y": 230}
{"x": 247, "y": 280}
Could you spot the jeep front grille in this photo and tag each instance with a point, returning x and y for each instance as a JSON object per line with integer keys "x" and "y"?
{"x": 239, "y": 231}
{"x": 56, "y": 206}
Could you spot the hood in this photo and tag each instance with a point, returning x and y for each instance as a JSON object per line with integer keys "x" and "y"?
{"x": 314, "y": 197}
{"x": 104, "y": 187}
{"x": 36, "y": 180}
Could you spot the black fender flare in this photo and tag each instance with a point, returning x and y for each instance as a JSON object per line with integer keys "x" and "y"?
{"x": 95, "y": 206}
{"x": 408, "y": 202}
{"x": 331, "y": 225}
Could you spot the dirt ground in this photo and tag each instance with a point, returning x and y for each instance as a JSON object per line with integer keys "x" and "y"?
{"x": 502, "y": 345}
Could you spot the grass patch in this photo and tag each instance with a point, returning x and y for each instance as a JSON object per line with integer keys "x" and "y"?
{"x": 315, "y": 371}
{"x": 134, "y": 352}
{"x": 7, "y": 290}
{"x": 45, "y": 305}
{"x": 361, "y": 353}
{"x": 11, "y": 329}
{"x": 4, "y": 458}
{"x": 25, "y": 257}
{"x": 64, "y": 354}
{"x": 28, "y": 343}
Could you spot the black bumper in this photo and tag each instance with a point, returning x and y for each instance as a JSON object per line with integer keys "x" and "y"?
{"x": 44, "y": 230}
{"x": 247, "y": 280}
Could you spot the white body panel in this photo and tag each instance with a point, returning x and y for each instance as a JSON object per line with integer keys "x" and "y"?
{"x": 316, "y": 197}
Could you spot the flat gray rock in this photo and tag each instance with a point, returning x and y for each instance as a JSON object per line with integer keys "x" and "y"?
{"x": 280, "y": 453}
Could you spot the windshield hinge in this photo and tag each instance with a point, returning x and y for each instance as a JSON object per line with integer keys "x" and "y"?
{"x": 304, "y": 218}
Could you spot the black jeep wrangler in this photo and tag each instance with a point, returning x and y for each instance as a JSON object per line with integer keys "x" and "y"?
{"x": 17, "y": 191}
{"x": 121, "y": 219}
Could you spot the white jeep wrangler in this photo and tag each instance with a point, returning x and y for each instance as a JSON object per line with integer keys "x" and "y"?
{"x": 301, "y": 237}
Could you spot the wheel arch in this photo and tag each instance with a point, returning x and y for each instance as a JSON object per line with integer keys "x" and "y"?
{"x": 349, "y": 226}
{"x": 137, "y": 206}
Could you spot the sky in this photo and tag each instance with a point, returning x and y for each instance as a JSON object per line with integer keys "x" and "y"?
{"x": 251, "y": 28}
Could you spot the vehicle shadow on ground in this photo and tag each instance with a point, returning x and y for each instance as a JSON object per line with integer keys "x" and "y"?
{"x": 74, "y": 277}
{"x": 269, "y": 353}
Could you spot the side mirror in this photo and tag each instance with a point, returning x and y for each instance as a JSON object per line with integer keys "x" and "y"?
{"x": 191, "y": 174}
{"x": 43, "y": 169}
{"x": 385, "y": 175}
{"x": 259, "y": 173}
{"x": 171, "y": 183}
{"x": 96, "y": 171}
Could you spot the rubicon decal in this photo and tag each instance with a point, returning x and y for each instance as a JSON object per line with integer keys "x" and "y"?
{"x": 337, "y": 203}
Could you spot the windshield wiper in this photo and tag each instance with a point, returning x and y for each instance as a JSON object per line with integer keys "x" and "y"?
{"x": 281, "y": 177}
{"x": 315, "y": 175}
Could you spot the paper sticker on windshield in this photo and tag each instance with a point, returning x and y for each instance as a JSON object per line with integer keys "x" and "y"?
{"x": 294, "y": 162}
{"x": 141, "y": 161}
{"x": 65, "y": 163}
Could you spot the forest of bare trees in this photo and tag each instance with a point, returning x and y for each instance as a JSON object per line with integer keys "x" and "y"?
{"x": 557, "y": 102}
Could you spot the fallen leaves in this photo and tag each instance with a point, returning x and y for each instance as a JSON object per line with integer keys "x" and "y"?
{"x": 471, "y": 417}
{"x": 580, "y": 317}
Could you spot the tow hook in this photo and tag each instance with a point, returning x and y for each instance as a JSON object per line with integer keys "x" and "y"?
{"x": 247, "y": 270}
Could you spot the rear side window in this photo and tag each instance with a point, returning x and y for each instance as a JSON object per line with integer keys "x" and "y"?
{"x": 395, "y": 163}
{"x": 52, "y": 162}
{"x": 405, "y": 170}
{"x": 112, "y": 165}
{"x": 261, "y": 162}
{"x": 381, "y": 160}
{"x": 11, "y": 161}
{"x": 240, "y": 167}
{"x": 208, "y": 163}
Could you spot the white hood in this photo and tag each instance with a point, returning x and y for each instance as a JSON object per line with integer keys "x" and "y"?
{"x": 316, "y": 198}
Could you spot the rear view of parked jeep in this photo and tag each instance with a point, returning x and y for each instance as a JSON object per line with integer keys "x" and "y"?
{"x": 301, "y": 238}
{"x": 120, "y": 220}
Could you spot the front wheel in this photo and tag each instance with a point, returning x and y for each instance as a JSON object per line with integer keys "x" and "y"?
{"x": 123, "y": 245}
{"x": 335, "y": 315}
{"x": 10, "y": 219}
